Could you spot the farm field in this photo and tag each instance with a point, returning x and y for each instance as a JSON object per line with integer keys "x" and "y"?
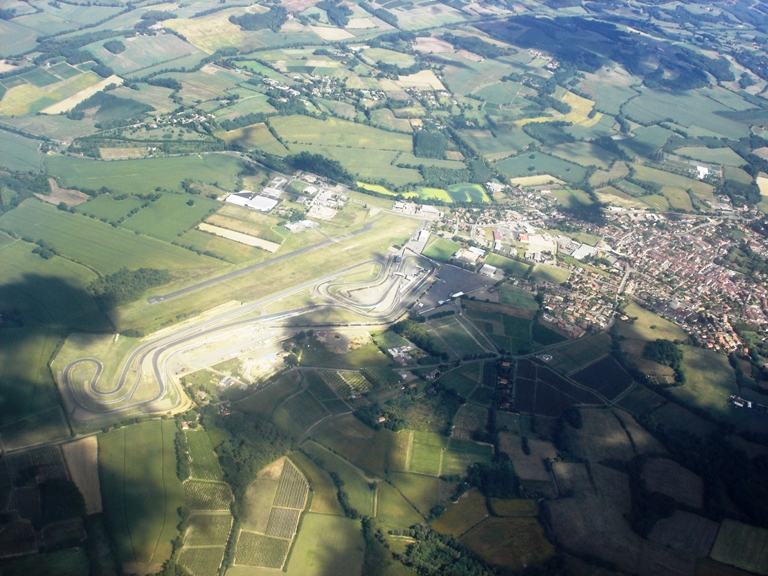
{"x": 339, "y": 133}
{"x": 709, "y": 382}
{"x": 513, "y": 543}
{"x": 204, "y": 464}
{"x": 94, "y": 243}
{"x": 440, "y": 249}
{"x": 138, "y": 470}
{"x": 542, "y": 163}
{"x": 465, "y": 514}
{"x": 171, "y": 215}
{"x": 132, "y": 176}
{"x": 509, "y": 266}
{"x": 741, "y": 545}
{"x": 19, "y": 153}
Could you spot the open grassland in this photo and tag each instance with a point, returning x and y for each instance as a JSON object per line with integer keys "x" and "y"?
{"x": 19, "y": 153}
{"x": 460, "y": 517}
{"x": 709, "y": 382}
{"x": 517, "y": 297}
{"x": 513, "y": 543}
{"x": 742, "y": 545}
{"x": 30, "y": 99}
{"x": 96, "y": 244}
{"x": 255, "y": 137}
{"x": 141, "y": 491}
{"x": 340, "y": 133}
{"x": 649, "y": 326}
{"x": 82, "y": 461}
{"x": 423, "y": 492}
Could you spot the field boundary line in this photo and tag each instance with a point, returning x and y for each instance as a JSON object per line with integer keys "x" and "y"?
{"x": 165, "y": 492}
{"x": 408, "y": 451}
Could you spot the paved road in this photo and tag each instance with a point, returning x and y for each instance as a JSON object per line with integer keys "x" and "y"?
{"x": 249, "y": 269}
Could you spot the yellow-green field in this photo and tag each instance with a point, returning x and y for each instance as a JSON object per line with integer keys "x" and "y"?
{"x": 29, "y": 99}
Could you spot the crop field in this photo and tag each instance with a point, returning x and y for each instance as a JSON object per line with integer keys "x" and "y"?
{"x": 208, "y": 529}
{"x": 298, "y": 413}
{"x": 326, "y": 545}
{"x": 463, "y": 453}
{"x": 513, "y": 296}
{"x": 641, "y": 401}
{"x": 201, "y": 561}
{"x": 602, "y": 437}
{"x": 469, "y": 419}
{"x": 94, "y": 243}
{"x": 145, "y": 51}
{"x": 506, "y": 332}
{"x": 468, "y": 193}
{"x": 324, "y": 500}
{"x": 345, "y": 383}
{"x": 584, "y": 154}
{"x": 456, "y": 381}
{"x": 455, "y": 335}
{"x": 384, "y": 118}
{"x": 423, "y": 492}
{"x": 392, "y": 508}
{"x": 426, "y": 454}
{"x": 366, "y": 448}
{"x": 106, "y": 206}
{"x": 292, "y": 489}
{"x": 539, "y": 390}
{"x": 255, "y": 137}
{"x": 464, "y": 76}
{"x": 742, "y": 545}
{"x": 514, "y": 508}
{"x": 711, "y": 155}
{"x": 690, "y": 109}
{"x": 339, "y": 133}
{"x": 367, "y": 163}
{"x": 133, "y": 176}
{"x": 171, "y": 215}
{"x": 440, "y": 249}
{"x": 678, "y": 418}
{"x": 465, "y": 514}
{"x": 207, "y": 495}
{"x": 360, "y": 493}
{"x": 140, "y": 490}
{"x": 204, "y": 463}
{"x": 282, "y": 522}
{"x": 672, "y": 180}
{"x": 606, "y": 377}
{"x": 668, "y": 477}
{"x": 541, "y": 163}
{"x": 685, "y": 531}
{"x": 19, "y": 153}
{"x": 495, "y": 147}
{"x": 259, "y": 550}
{"x": 30, "y": 99}
{"x": 513, "y": 543}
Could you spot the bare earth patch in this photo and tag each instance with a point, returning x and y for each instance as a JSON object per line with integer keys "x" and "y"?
{"x": 58, "y": 195}
{"x": 331, "y": 34}
{"x": 82, "y": 462}
{"x": 239, "y": 237}
{"x": 432, "y": 45}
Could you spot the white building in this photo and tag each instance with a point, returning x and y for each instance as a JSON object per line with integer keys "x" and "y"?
{"x": 260, "y": 203}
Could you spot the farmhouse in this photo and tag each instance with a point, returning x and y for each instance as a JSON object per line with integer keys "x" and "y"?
{"x": 252, "y": 201}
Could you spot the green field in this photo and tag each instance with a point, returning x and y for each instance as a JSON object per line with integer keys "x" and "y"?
{"x": 424, "y": 492}
{"x": 171, "y": 215}
{"x": 508, "y": 265}
{"x": 495, "y": 146}
{"x": 539, "y": 163}
{"x": 440, "y": 249}
{"x": 255, "y": 137}
{"x": 464, "y": 453}
{"x": 547, "y": 273}
{"x": 94, "y": 243}
{"x": 393, "y": 509}
{"x": 323, "y": 498}
{"x": 107, "y": 207}
{"x": 298, "y": 413}
{"x": 326, "y": 545}
{"x": 455, "y": 335}
{"x": 649, "y": 325}
{"x": 709, "y": 382}
{"x": 140, "y": 490}
{"x": 517, "y": 297}
{"x": 144, "y": 175}
{"x": 19, "y": 153}
{"x": 426, "y": 453}
{"x": 338, "y": 133}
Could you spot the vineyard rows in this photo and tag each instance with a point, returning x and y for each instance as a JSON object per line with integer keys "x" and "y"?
{"x": 207, "y": 495}
{"x": 283, "y": 522}
{"x": 204, "y": 464}
{"x": 292, "y": 490}
{"x": 208, "y": 530}
{"x": 201, "y": 561}
{"x": 258, "y": 550}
